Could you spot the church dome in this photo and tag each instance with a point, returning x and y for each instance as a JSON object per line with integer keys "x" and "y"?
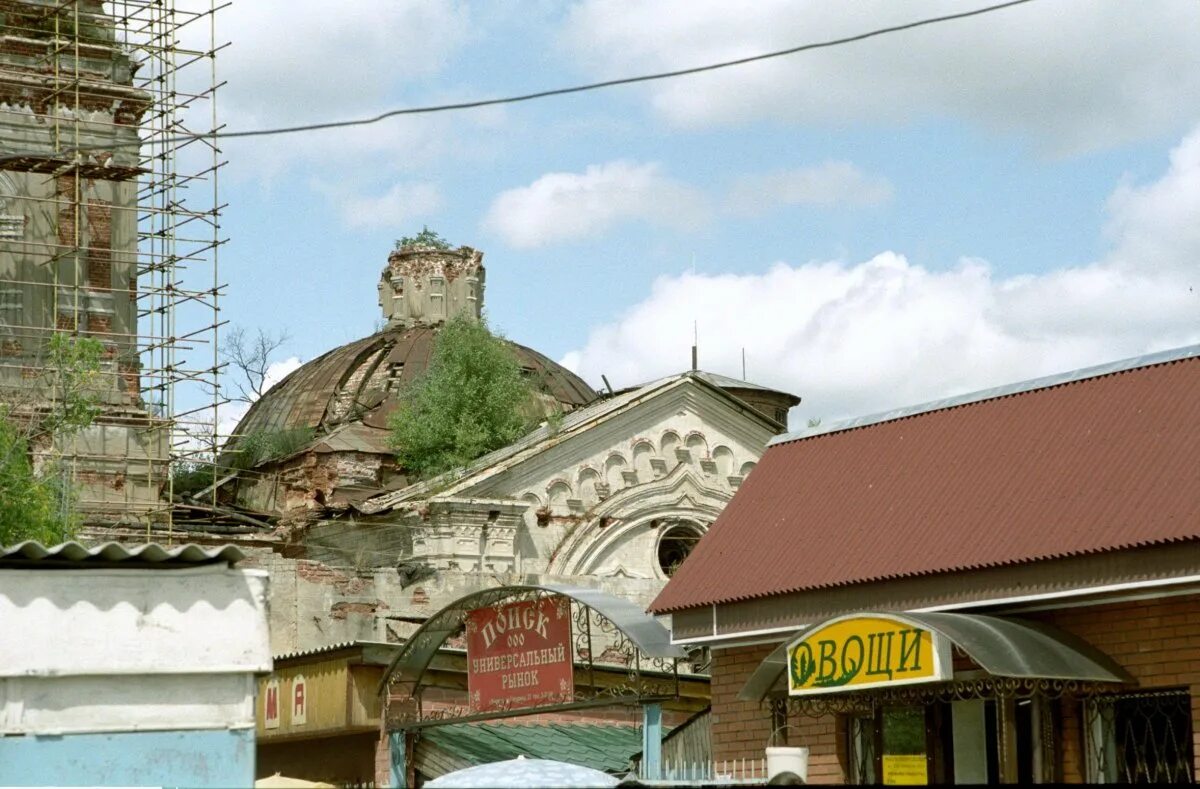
{"x": 359, "y": 381}
{"x": 420, "y": 288}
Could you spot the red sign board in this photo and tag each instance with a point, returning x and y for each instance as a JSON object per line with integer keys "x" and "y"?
{"x": 519, "y": 655}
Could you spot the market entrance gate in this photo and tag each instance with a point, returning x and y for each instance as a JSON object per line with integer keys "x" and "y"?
{"x": 528, "y": 648}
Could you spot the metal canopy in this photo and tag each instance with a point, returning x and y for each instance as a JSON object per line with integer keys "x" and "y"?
{"x": 643, "y": 631}
{"x": 1002, "y": 646}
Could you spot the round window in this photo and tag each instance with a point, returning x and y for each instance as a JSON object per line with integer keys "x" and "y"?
{"x": 676, "y": 542}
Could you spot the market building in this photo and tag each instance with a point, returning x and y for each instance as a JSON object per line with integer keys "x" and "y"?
{"x": 1000, "y": 587}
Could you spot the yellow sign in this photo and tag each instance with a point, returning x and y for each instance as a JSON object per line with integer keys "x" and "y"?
{"x": 905, "y": 770}
{"x": 858, "y": 652}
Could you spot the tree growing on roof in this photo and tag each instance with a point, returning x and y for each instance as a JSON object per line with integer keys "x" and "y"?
{"x": 426, "y": 238}
{"x": 471, "y": 400}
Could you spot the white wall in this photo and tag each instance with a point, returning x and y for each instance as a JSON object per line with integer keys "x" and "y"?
{"x": 130, "y": 650}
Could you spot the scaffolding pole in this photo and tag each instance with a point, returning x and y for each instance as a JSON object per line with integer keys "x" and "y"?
{"x": 110, "y": 229}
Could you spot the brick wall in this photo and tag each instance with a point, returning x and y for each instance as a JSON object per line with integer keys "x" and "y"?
{"x": 99, "y": 217}
{"x": 1157, "y": 641}
{"x": 740, "y": 729}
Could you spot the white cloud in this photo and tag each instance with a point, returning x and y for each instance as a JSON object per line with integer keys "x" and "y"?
{"x": 827, "y": 184}
{"x": 292, "y": 61}
{"x": 1070, "y": 74}
{"x": 397, "y": 207}
{"x": 855, "y": 339}
{"x": 560, "y": 207}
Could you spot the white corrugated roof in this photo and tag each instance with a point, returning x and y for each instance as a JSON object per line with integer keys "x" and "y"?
{"x": 73, "y": 553}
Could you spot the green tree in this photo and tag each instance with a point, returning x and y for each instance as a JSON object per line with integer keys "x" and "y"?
{"x": 29, "y": 502}
{"x": 38, "y": 503}
{"x": 471, "y": 400}
{"x": 426, "y": 238}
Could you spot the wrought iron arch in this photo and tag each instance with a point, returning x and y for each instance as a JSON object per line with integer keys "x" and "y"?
{"x": 652, "y": 669}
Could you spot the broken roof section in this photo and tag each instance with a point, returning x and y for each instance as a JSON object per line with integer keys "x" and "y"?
{"x": 1097, "y": 460}
{"x": 456, "y": 482}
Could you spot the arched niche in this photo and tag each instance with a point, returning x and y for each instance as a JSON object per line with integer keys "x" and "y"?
{"x": 558, "y": 493}
{"x": 697, "y": 445}
{"x": 723, "y": 458}
{"x": 614, "y": 469}
{"x": 668, "y": 444}
{"x": 589, "y": 478}
{"x": 643, "y": 453}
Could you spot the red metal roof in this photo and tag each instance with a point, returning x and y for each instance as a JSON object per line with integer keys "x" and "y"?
{"x": 1096, "y": 464}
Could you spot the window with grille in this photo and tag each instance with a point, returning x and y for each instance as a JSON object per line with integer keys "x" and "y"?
{"x": 1140, "y": 738}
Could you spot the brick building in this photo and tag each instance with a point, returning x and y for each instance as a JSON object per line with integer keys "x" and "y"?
{"x": 996, "y": 588}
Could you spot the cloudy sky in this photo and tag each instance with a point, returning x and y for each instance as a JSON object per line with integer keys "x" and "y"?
{"x": 875, "y": 225}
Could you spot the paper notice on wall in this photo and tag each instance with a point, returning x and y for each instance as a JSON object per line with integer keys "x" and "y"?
{"x": 905, "y": 770}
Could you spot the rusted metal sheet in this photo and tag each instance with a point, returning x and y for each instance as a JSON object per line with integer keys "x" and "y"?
{"x": 1090, "y": 465}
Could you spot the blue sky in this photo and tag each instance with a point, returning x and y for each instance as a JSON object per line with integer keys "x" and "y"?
{"x": 889, "y": 222}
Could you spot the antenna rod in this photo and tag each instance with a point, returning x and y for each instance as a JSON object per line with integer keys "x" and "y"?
{"x": 604, "y": 378}
{"x": 695, "y": 343}
{"x": 744, "y": 378}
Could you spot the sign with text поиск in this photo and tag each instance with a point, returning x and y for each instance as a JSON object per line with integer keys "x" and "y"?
{"x": 855, "y": 653}
{"x": 519, "y": 655}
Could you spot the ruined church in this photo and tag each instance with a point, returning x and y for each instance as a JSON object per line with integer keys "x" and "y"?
{"x": 612, "y": 495}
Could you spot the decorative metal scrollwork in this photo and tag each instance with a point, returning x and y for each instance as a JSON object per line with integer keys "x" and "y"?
{"x": 982, "y": 688}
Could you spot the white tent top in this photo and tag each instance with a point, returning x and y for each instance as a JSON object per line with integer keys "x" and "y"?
{"x": 520, "y": 773}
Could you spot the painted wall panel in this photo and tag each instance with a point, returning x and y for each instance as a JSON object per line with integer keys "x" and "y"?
{"x": 204, "y": 620}
{"x": 104, "y": 704}
{"x": 184, "y": 758}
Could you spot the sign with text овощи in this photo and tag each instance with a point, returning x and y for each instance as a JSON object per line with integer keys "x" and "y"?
{"x": 859, "y": 652}
{"x": 519, "y": 655}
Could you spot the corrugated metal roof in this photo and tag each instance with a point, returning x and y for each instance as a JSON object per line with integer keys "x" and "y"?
{"x": 1095, "y": 463}
{"x": 1175, "y": 354}
{"x": 322, "y": 650}
{"x": 30, "y": 553}
{"x": 605, "y": 748}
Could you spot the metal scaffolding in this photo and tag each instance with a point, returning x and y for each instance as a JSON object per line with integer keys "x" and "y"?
{"x": 110, "y": 230}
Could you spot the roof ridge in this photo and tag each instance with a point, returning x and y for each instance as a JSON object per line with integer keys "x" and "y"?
{"x": 1028, "y": 386}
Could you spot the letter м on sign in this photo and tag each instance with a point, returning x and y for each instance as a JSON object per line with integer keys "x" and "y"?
{"x": 271, "y": 705}
{"x": 863, "y": 651}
